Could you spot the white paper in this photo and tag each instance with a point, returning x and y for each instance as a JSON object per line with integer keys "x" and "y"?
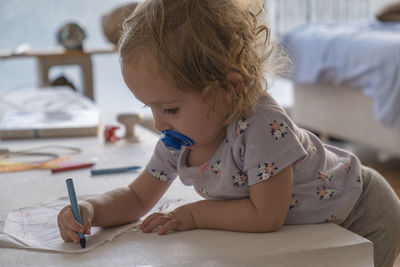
{"x": 36, "y": 228}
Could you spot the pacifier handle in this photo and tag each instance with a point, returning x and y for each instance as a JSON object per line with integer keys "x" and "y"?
{"x": 175, "y": 140}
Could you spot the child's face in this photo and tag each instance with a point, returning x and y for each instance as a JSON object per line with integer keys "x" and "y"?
{"x": 172, "y": 108}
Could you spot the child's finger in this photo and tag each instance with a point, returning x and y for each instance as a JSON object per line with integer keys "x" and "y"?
{"x": 63, "y": 234}
{"x": 71, "y": 223}
{"x": 156, "y": 222}
{"x": 171, "y": 225}
{"x": 72, "y": 235}
{"x": 87, "y": 224}
{"x": 149, "y": 219}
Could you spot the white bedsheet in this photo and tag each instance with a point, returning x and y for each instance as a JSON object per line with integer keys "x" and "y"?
{"x": 364, "y": 54}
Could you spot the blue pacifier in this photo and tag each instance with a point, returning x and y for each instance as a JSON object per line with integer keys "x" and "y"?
{"x": 175, "y": 140}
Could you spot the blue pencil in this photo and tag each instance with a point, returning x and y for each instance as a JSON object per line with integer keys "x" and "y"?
{"x": 75, "y": 209}
{"x": 114, "y": 170}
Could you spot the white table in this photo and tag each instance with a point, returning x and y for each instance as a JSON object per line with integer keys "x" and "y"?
{"x": 307, "y": 245}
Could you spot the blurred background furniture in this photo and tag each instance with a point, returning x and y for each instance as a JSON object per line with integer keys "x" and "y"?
{"x": 47, "y": 112}
{"x": 112, "y": 21}
{"x": 285, "y": 15}
{"x": 345, "y": 77}
{"x": 60, "y": 57}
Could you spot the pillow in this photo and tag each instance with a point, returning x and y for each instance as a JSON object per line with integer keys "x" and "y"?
{"x": 389, "y": 11}
{"x": 112, "y": 22}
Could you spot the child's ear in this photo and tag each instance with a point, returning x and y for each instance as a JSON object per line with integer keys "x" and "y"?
{"x": 236, "y": 79}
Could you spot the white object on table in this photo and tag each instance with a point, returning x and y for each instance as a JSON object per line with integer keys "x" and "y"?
{"x": 47, "y": 112}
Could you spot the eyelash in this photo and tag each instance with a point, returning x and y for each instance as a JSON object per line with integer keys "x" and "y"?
{"x": 171, "y": 111}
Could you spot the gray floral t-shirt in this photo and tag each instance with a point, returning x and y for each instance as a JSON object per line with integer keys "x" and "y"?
{"x": 326, "y": 180}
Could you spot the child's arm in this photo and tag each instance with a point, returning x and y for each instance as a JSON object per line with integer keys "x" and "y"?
{"x": 264, "y": 211}
{"x": 116, "y": 207}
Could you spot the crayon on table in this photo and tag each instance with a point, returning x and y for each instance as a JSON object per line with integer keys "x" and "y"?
{"x": 114, "y": 170}
{"x": 71, "y": 167}
{"x": 75, "y": 209}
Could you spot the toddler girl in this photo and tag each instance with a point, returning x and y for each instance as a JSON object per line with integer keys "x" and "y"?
{"x": 199, "y": 65}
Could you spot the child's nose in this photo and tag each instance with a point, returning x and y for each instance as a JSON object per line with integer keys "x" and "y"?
{"x": 161, "y": 123}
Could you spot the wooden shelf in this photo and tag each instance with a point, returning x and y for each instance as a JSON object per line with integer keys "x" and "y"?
{"x": 58, "y": 56}
{"x": 56, "y": 52}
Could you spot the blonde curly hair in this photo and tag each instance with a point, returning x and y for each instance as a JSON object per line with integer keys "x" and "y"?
{"x": 199, "y": 42}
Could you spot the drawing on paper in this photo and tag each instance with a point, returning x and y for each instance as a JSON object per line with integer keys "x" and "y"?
{"x": 36, "y": 227}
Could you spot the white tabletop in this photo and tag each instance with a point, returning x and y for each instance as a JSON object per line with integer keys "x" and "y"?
{"x": 307, "y": 245}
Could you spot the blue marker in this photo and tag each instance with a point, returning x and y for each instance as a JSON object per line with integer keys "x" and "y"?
{"x": 75, "y": 209}
{"x": 175, "y": 140}
{"x": 114, "y": 170}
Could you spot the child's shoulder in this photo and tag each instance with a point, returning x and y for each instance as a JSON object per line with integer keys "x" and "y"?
{"x": 267, "y": 112}
{"x": 269, "y": 117}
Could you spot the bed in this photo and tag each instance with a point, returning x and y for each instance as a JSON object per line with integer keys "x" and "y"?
{"x": 346, "y": 80}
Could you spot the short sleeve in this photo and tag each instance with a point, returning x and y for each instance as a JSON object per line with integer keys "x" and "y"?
{"x": 163, "y": 163}
{"x": 269, "y": 144}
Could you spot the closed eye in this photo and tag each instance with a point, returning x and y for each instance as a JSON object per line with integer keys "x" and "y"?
{"x": 171, "y": 111}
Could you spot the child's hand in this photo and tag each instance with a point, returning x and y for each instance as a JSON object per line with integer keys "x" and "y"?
{"x": 180, "y": 219}
{"x": 69, "y": 227}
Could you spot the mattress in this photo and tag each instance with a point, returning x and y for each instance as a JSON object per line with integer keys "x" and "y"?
{"x": 363, "y": 54}
{"x": 344, "y": 112}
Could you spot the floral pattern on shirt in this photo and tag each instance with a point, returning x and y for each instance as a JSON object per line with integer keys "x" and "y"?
{"x": 313, "y": 147}
{"x": 331, "y": 219}
{"x": 278, "y": 130}
{"x": 293, "y": 203}
{"x": 326, "y": 181}
{"x": 216, "y": 168}
{"x": 347, "y": 165}
{"x": 324, "y": 193}
{"x": 326, "y": 177}
{"x": 241, "y": 126}
{"x": 203, "y": 167}
{"x": 203, "y": 192}
{"x": 266, "y": 170}
{"x": 159, "y": 175}
{"x": 239, "y": 179}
